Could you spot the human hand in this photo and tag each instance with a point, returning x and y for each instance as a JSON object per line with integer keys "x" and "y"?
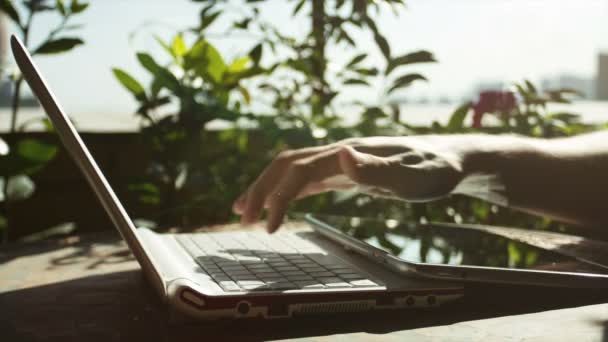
{"x": 417, "y": 168}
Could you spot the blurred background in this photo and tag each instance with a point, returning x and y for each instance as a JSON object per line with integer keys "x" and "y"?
{"x": 184, "y": 102}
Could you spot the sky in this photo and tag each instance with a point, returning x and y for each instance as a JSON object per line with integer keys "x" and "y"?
{"x": 474, "y": 41}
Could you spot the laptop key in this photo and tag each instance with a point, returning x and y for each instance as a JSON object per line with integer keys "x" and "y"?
{"x": 298, "y": 277}
{"x": 344, "y": 271}
{"x": 238, "y": 272}
{"x": 256, "y": 266}
{"x": 217, "y": 274}
{"x": 235, "y": 270}
{"x": 313, "y": 269}
{"x": 321, "y": 274}
{"x": 286, "y": 268}
{"x": 283, "y": 285}
{"x": 250, "y": 283}
{"x": 351, "y": 276}
{"x": 266, "y": 273}
{"x": 229, "y": 286}
{"x": 295, "y": 257}
{"x": 278, "y": 264}
{"x": 341, "y": 285}
{"x": 244, "y": 277}
{"x": 309, "y": 284}
{"x": 363, "y": 283}
{"x": 330, "y": 280}
{"x": 222, "y": 278}
{"x": 263, "y": 287}
{"x": 274, "y": 278}
{"x": 304, "y": 263}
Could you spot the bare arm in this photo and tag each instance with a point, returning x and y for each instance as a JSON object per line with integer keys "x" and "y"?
{"x": 566, "y": 179}
{"x": 562, "y": 178}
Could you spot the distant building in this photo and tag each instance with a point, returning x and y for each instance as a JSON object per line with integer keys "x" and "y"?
{"x": 602, "y": 78}
{"x": 583, "y": 85}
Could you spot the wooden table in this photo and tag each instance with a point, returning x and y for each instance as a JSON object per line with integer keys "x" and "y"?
{"x": 90, "y": 288}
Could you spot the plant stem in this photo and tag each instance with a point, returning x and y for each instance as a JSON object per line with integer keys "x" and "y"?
{"x": 19, "y": 80}
{"x": 318, "y": 60}
{"x": 13, "y": 128}
{"x": 15, "y": 105}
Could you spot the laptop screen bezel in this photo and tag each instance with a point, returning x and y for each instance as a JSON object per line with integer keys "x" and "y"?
{"x": 81, "y": 155}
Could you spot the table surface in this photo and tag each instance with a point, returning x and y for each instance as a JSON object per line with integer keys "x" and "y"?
{"x": 90, "y": 288}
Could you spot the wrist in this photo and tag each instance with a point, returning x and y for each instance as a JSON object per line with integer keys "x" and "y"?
{"x": 489, "y": 163}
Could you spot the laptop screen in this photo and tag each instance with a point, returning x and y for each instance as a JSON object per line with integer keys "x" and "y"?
{"x": 453, "y": 245}
{"x": 79, "y": 152}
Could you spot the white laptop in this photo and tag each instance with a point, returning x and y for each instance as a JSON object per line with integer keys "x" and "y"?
{"x": 245, "y": 273}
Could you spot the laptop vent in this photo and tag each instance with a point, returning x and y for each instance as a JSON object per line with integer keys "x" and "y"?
{"x": 333, "y": 307}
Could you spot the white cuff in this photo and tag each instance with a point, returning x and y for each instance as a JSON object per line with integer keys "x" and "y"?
{"x": 487, "y": 187}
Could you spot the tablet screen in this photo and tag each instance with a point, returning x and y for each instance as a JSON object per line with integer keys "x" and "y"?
{"x": 454, "y": 246}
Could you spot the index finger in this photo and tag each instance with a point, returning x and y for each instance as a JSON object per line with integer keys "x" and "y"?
{"x": 300, "y": 173}
{"x": 250, "y": 203}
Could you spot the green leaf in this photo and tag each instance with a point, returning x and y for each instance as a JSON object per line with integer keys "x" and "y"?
{"x": 456, "y": 122}
{"x": 383, "y": 45}
{"x": 522, "y": 92}
{"x": 256, "y": 54}
{"x": 162, "y": 76}
{"x": 19, "y": 188}
{"x": 243, "y": 24}
{"x": 232, "y": 79}
{"x": 206, "y": 61}
{"x": 164, "y": 45}
{"x": 245, "y": 93}
{"x": 367, "y": 71}
{"x": 179, "y": 48}
{"x": 378, "y": 37}
{"x": 153, "y": 103}
{"x": 61, "y": 8}
{"x": 568, "y": 118}
{"x": 130, "y": 83}
{"x": 373, "y": 113}
{"x": 37, "y": 6}
{"x": 531, "y": 87}
{"x": 239, "y": 65}
{"x": 58, "y": 45}
{"x": 36, "y": 151}
{"x": 356, "y": 60}
{"x": 558, "y": 95}
{"x": 207, "y": 20}
{"x": 405, "y": 81}
{"x": 410, "y": 58}
{"x": 28, "y": 156}
{"x": 147, "y": 62}
{"x": 356, "y": 81}
{"x": 344, "y": 36}
{"x": 76, "y": 7}
{"x": 7, "y": 7}
{"x": 148, "y": 193}
{"x": 298, "y": 7}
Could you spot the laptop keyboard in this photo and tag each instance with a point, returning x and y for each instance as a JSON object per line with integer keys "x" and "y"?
{"x": 256, "y": 261}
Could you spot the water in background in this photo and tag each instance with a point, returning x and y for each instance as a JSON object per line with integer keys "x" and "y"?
{"x": 417, "y": 114}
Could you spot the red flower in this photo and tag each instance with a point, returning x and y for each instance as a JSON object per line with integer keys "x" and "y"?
{"x": 493, "y": 101}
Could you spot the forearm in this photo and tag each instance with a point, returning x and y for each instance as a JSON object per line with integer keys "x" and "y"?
{"x": 566, "y": 178}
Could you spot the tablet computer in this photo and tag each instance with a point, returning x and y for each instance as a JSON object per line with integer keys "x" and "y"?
{"x": 462, "y": 252}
